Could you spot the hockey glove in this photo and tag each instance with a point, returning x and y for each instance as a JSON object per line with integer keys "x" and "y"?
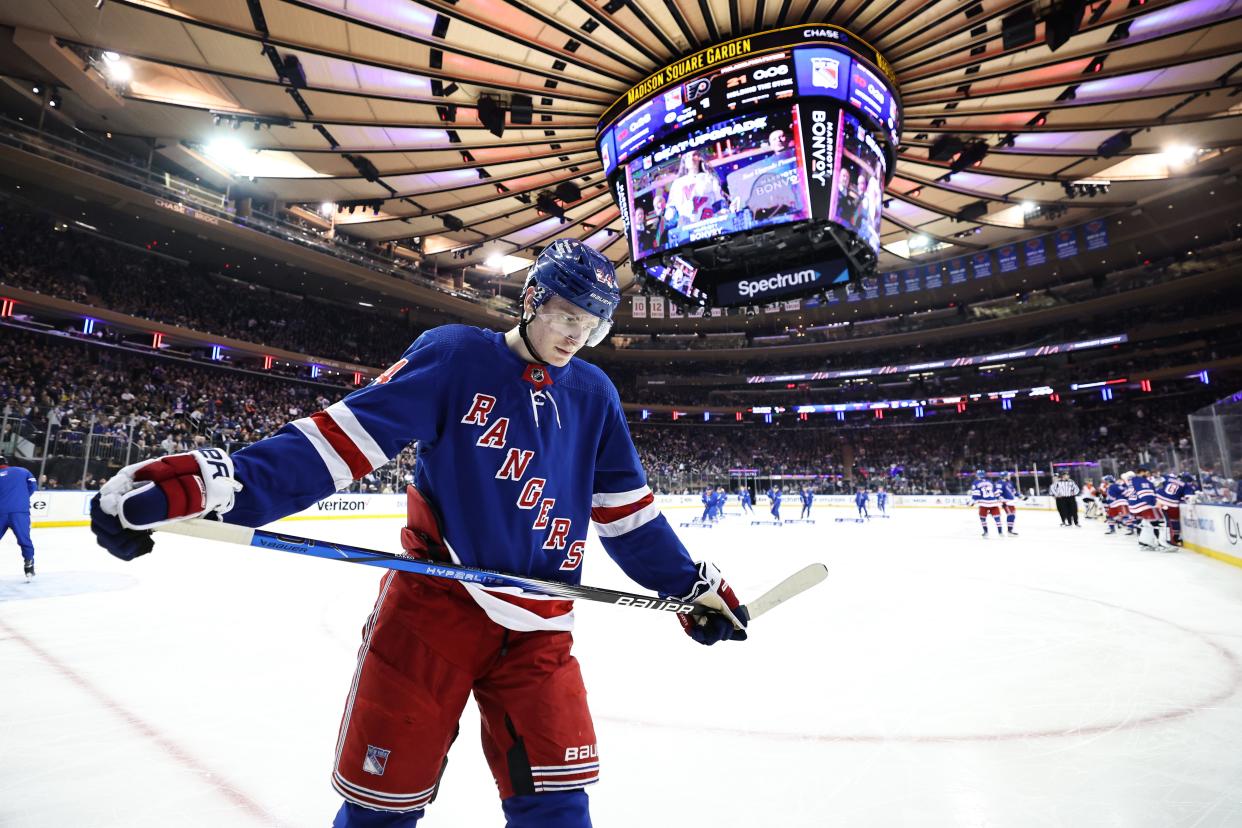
{"x": 179, "y": 486}
{"x": 711, "y": 590}
{"x": 125, "y": 544}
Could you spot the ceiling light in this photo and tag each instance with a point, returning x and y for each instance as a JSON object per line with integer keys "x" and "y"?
{"x": 495, "y": 261}
{"x": 1029, "y": 207}
{"x": 119, "y": 71}
{"x": 366, "y": 304}
{"x": 326, "y": 208}
{"x": 1178, "y": 154}
{"x": 111, "y": 57}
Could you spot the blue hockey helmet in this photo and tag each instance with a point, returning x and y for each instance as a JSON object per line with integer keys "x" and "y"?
{"x": 980, "y": 473}
{"x": 1108, "y": 478}
{"x": 581, "y": 276}
{"x": 1186, "y": 477}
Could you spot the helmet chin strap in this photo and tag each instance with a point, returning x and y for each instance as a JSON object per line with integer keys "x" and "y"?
{"x": 530, "y": 346}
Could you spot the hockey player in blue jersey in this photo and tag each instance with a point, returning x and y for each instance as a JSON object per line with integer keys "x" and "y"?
{"x": 709, "y": 505}
{"x": 537, "y": 439}
{"x": 861, "y": 498}
{"x": 985, "y": 495}
{"x": 774, "y": 498}
{"x": 743, "y": 497}
{"x": 808, "y": 499}
{"x": 1009, "y": 498}
{"x": 881, "y": 501}
{"x": 16, "y": 486}
{"x": 1116, "y": 510}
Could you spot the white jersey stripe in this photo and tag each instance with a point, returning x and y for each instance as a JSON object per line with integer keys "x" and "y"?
{"x": 628, "y": 523}
{"x": 343, "y": 417}
{"x": 611, "y": 499}
{"x": 358, "y": 789}
{"x": 338, "y": 468}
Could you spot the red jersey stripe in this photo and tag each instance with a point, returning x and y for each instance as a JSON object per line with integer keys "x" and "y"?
{"x": 342, "y": 444}
{"x": 608, "y": 514}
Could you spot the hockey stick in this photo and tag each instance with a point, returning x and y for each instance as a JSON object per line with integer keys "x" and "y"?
{"x": 245, "y": 536}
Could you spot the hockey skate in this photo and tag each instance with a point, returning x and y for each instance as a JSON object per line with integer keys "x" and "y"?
{"x": 1013, "y": 533}
{"x": 985, "y": 532}
{"x": 29, "y": 570}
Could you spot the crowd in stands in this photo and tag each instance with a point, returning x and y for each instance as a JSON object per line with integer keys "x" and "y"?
{"x": 83, "y": 268}
{"x": 934, "y": 455}
{"x": 55, "y": 390}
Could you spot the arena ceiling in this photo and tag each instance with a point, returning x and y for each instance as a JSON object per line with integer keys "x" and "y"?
{"x": 387, "y": 119}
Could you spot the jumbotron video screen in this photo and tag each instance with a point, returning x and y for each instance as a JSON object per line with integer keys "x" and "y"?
{"x": 755, "y": 169}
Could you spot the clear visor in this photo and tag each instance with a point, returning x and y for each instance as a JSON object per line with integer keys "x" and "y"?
{"x": 580, "y": 327}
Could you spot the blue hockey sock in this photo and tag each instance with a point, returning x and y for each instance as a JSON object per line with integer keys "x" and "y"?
{"x": 560, "y": 809}
{"x": 356, "y": 816}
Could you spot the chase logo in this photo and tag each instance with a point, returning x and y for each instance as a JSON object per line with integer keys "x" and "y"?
{"x": 376, "y": 760}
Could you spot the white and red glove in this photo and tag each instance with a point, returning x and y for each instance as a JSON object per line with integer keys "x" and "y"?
{"x": 177, "y": 487}
{"x": 711, "y": 590}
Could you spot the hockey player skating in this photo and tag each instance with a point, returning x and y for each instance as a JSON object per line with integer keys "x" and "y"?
{"x": 743, "y": 498}
{"x": 1169, "y": 497}
{"x": 984, "y": 494}
{"x": 1151, "y": 528}
{"x": 16, "y": 486}
{"x": 861, "y": 498}
{"x": 808, "y": 498}
{"x": 1009, "y": 498}
{"x": 539, "y": 441}
{"x": 774, "y": 498}
{"x": 1117, "y": 511}
{"x": 721, "y": 499}
{"x": 1090, "y": 500}
{"x": 709, "y": 505}
{"x": 881, "y": 501}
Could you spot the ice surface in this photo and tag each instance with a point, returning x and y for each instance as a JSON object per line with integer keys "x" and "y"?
{"x": 1060, "y": 678}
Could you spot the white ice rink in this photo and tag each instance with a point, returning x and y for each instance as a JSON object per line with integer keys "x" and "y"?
{"x": 1059, "y": 678}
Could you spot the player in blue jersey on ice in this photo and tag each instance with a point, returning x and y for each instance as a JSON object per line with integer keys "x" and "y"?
{"x": 537, "y": 441}
{"x": 16, "y": 486}
{"x": 861, "y": 497}
{"x": 881, "y": 501}
{"x": 774, "y": 499}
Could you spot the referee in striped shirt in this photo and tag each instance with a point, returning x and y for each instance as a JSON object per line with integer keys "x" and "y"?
{"x": 1066, "y": 493}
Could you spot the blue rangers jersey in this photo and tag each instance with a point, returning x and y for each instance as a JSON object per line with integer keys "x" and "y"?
{"x": 1116, "y": 494}
{"x": 861, "y": 497}
{"x": 744, "y": 496}
{"x": 985, "y": 493}
{"x": 16, "y": 486}
{"x": 1144, "y": 492}
{"x": 1171, "y": 493}
{"x": 539, "y": 452}
{"x": 881, "y": 498}
{"x": 1007, "y": 492}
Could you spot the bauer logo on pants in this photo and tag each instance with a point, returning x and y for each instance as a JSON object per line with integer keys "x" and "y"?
{"x": 376, "y": 761}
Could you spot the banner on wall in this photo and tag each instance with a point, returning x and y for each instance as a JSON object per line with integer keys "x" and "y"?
{"x": 871, "y": 287}
{"x": 1096, "y": 234}
{"x": 793, "y": 304}
{"x": 981, "y": 263}
{"x": 1066, "y": 242}
{"x": 957, "y": 271}
{"x": 911, "y": 279}
{"x": 1008, "y": 258}
{"x": 657, "y": 307}
{"x": 932, "y": 277}
{"x": 638, "y": 307}
{"x": 674, "y": 311}
{"x": 1035, "y": 251}
{"x": 892, "y": 284}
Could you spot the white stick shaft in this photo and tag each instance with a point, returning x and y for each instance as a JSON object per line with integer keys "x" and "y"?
{"x": 794, "y": 585}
